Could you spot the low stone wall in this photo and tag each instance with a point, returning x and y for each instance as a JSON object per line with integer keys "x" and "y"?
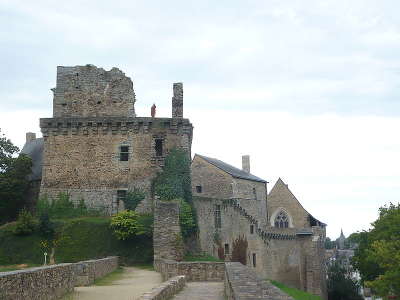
{"x": 52, "y": 282}
{"x": 89, "y": 270}
{"x": 242, "y": 283}
{"x": 166, "y": 290}
{"x": 193, "y": 271}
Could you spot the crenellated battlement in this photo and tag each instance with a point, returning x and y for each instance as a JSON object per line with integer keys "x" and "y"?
{"x": 113, "y": 125}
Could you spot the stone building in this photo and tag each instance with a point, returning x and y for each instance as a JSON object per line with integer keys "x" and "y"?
{"x": 95, "y": 148}
{"x": 285, "y": 242}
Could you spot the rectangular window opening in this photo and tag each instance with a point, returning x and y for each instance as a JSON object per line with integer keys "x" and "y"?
{"x": 217, "y": 216}
{"x": 255, "y": 193}
{"x": 124, "y": 153}
{"x": 251, "y": 229}
{"x": 121, "y": 196}
{"x": 198, "y": 189}
{"x": 254, "y": 260}
{"x": 159, "y": 147}
{"x": 226, "y": 249}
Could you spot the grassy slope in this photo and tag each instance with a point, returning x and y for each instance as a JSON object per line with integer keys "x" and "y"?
{"x": 79, "y": 239}
{"x": 295, "y": 293}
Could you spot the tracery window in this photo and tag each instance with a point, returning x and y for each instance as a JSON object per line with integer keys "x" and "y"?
{"x": 282, "y": 220}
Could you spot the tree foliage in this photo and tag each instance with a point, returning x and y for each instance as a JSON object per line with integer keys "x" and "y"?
{"x": 26, "y": 223}
{"x": 174, "y": 183}
{"x": 378, "y": 254}
{"x": 13, "y": 179}
{"x": 341, "y": 286}
{"x": 129, "y": 224}
{"x": 133, "y": 198}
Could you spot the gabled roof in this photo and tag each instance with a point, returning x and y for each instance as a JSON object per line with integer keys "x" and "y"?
{"x": 34, "y": 149}
{"x": 280, "y": 182}
{"x": 231, "y": 170}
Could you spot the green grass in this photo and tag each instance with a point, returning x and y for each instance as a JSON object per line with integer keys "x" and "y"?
{"x": 295, "y": 293}
{"x": 109, "y": 278}
{"x": 148, "y": 267}
{"x": 78, "y": 239}
{"x": 203, "y": 257}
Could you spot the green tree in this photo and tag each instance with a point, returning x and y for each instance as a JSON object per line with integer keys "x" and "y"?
{"x": 133, "y": 198}
{"x": 378, "y": 254}
{"x": 340, "y": 284}
{"x": 174, "y": 183}
{"x": 329, "y": 244}
{"x": 14, "y": 171}
{"x": 127, "y": 224}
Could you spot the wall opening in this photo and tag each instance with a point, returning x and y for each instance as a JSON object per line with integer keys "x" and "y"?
{"x": 121, "y": 197}
{"x": 282, "y": 220}
{"x": 254, "y": 193}
{"x": 217, "y": 215}
{"x": 159, "y": 147}
{"x": 124, "y": 153}
{"x": 226, "y": 249}
{"x": 199, "y": 189}
{"x": 254, "y": 260}
{"x": 251, "y": 229}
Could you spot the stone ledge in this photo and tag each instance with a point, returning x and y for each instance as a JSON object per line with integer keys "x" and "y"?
{"x": 194, "y": 271}
{"x": 166, "y": 290}
{"x": 242, "y": 283}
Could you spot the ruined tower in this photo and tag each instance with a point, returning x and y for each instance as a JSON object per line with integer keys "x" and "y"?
{"x": 96, "y": 148}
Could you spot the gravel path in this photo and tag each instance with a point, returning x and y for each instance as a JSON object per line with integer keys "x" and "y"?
{"x": 202, "y": 291}
{"x": 132, "y": 284}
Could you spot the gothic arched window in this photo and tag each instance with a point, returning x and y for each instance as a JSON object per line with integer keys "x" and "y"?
{"x": 282, "y": 220}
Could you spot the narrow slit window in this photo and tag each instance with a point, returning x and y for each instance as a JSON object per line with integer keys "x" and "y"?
{"x": 124, "y": 153}
{"x": 159, "y": 147}
{"x": 254, "y": 260}
{"x": 255, "y": 193}
{"x": 251, "y": 229}
{"x": 217, "y": 214}
{"x": 226, "y": 249}
{"x": 198, "y": 189}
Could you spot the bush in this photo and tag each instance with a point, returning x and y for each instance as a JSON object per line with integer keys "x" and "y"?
{"x": 63, "y": 207}
{"x": 341, "y": 286}
{"x": 186, "y": 219}
{"x": 133, "y": 198}
{"x": 26, "y": 223}
{"x": 46, "y": 227}
{"x": 128, "y": 224}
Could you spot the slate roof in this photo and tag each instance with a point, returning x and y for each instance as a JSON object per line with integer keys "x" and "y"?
{"x": 231, "y": 170}
{"x": 34, "y": 149}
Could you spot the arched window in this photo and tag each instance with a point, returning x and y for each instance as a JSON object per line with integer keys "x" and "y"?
{"x": 282, "y": 220}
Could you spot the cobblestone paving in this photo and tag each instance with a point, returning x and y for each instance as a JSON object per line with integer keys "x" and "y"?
{"x": 202, "y": 291}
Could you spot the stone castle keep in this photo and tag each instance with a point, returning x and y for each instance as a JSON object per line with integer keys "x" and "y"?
{"x": 95, "y": 148}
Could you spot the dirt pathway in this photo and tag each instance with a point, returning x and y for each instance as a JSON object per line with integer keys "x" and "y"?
{"x": 202, "y": 291}
{"x": 130, "y": 286}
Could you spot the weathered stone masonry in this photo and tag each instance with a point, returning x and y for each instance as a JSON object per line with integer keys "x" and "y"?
{"x": 93, "y": 120}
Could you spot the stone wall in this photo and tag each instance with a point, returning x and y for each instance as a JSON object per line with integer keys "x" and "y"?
{"x": 166, "y": 290}
{"x": 88, "y": 271}
{"x": 167, "y": 238}
{"x": 91, "y": 91}
{"x": 82, "y": 156}
{"x": 52, "y": 282}
{"x": 241, "y": 283}
{"x": 193, "y": 271}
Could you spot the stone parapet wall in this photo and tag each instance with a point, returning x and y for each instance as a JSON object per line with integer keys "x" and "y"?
{"x": 90, "y": 270}
{"x": 241, "y": 283}
{"x": 52, "y": 282}
{"x": 193, "y": 271}
{"x": 166, "y": 290}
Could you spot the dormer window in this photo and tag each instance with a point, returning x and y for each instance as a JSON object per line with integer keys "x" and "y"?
{"x": 124, "y": 153}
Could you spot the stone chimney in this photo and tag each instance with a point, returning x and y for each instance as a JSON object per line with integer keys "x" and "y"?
{"x": 177, "y": 101}
{"x": 30, "y": 136}
{"x": 246, "y": 163}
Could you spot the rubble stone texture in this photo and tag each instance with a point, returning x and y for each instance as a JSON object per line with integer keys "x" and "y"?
{"x": 93, "y": 117}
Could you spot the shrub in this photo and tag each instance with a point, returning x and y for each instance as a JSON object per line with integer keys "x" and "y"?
{"x": 46, "y": 227}
{"x": 239, "y": 250}
{"x": 26, "y": 223}
{"x": 133, "y": 198}
{"x": 128, "y": 224}
{"x": 186, "y": 219}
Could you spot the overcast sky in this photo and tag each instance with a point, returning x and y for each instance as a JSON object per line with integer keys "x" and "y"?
{"x": 310, "y": 89}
